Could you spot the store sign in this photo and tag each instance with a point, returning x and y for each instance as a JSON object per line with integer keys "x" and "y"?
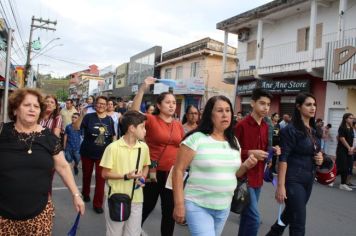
{"x": 160, "y": 88}
{"x": 134, "y": 88}
{"x": 190, "y": 86}
{"x": 340, "y": 61}
{"x": 276, "y": 86}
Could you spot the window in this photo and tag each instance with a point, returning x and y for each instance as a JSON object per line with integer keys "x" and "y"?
{"x": 251, "y": 50}
{"x": 319, "y": 35}
{"x": 194, "y": 69}
{"x": 168, "y": 73}
{"x": 303, "y": 37}
{"x": 179, "y": 72}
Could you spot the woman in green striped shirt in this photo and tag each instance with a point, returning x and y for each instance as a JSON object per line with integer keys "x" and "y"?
{"x": 213, "y": 154}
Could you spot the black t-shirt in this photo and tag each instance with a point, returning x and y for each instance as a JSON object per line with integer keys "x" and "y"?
{"x": 275, "y": 136}
{"x": 25, "y": 179}
{"x": 98, "y": 134}
{"x": 348, "y": 134}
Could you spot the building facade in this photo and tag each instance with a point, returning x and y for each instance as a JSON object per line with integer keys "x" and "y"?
{"x": 197, "y": 69}
{"x": 121, "y": 88}
{"x": 286, "y": 43}
{"x": 108, "y": 74}
{"x": 75, "y": 79}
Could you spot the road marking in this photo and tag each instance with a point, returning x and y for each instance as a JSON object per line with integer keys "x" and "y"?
{"x": 64, "y": 188}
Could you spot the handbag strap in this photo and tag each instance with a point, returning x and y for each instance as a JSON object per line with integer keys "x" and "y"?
{"x": 134, "y": 180}
{"x": 165, "y": 147}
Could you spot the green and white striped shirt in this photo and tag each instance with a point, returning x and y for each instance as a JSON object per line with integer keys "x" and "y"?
{"x": 212, "y": 178}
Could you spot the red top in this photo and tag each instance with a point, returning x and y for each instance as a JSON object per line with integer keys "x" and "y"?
{"x": 160, "y": 135}
{"x": 252, "y": 136}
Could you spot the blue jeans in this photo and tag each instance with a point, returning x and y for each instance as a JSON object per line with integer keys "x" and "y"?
{"x": 204, "y": 221}
{"x": 299, "y": 186}
{"x": 72, "y": 155}
{"x": 250, "y": 217}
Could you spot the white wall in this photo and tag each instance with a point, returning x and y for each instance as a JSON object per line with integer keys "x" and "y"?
{"x": 336, "y": 98}
{"x": 280, "y": 36}
{"x": 93, "y": 84}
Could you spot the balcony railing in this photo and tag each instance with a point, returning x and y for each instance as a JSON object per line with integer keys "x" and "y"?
{"x": 286, "y": 53}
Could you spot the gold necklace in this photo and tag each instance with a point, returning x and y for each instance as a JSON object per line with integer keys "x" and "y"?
{"x": 22, "y": 138}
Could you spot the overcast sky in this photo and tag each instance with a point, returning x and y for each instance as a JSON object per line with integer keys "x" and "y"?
{"x": 109, "y": 32}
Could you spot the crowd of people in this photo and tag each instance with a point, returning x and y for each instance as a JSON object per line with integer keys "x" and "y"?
{"x": 143, "y": 145}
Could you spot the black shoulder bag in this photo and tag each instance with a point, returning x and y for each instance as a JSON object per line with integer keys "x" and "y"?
{"x": 120, "y": 203}
{"x": 241, "y": 197}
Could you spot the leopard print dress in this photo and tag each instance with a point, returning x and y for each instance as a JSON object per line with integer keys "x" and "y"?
{"x": 41, "y": 225}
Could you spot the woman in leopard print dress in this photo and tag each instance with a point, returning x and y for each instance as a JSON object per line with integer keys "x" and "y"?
{"x": 28, "y": 153}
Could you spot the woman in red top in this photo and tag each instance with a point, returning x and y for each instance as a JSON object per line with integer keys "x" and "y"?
{"x": 163, "y": 136}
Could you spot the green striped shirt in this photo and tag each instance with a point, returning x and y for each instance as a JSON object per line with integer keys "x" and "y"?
{"x": 212, "y": 178}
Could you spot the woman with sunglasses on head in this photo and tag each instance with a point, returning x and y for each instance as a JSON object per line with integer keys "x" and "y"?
{"x": 163, "y": 136}
{"x": 99, "y": 132}
{"x": 297, "y": 164}
{"x": 190, "y": 119}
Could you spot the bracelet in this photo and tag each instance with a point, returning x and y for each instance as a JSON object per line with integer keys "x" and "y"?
{"x": 126, "y": 177}
{"x": 77, "y": 195}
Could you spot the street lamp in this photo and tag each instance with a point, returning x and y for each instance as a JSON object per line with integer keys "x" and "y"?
{"x": 43, "y": 52}
{"x": 40, "y": 52}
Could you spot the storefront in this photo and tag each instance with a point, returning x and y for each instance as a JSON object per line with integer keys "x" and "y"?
{"x": 284, "y": 91}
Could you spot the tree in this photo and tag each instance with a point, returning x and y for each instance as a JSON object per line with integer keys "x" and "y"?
{"x": 61, "y": 94}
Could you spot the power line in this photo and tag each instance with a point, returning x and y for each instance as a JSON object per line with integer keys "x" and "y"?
{"x": 19, "y": 49}
{"x": 17, "y": 13}
{"x": 7, "y": 21}
{"x": 17, "y": 25}
{"x": 64, "y": 60}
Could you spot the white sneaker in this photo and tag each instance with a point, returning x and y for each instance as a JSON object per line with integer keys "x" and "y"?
{"x": 345, "y": 187}
{"x": 331, "y": 184}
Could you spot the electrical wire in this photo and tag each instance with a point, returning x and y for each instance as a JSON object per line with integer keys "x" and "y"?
{"x": 63, "y": 60}
{"x": 16, "y": 23}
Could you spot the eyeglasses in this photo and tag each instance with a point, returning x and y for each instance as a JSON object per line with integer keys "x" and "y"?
{"x": 193, "y": 113}
{"x": 101, "y": 104}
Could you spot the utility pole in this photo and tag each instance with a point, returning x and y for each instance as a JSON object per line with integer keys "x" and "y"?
{"x": 7, "y": 73}
{"x": 41, "y": 24}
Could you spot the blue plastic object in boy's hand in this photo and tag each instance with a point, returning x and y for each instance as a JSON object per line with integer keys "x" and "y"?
{"x": 142, "y": 181}
{"x": 270, "y": 154}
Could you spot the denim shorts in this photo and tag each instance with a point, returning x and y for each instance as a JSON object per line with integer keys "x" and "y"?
{"x": 204, "y": 221}
{"x": 72, "y": 155}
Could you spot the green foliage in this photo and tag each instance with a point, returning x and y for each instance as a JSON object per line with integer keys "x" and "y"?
{"x": 62, "y": 94}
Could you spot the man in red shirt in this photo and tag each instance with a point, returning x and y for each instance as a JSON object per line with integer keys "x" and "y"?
{"x": 252, "y": 133}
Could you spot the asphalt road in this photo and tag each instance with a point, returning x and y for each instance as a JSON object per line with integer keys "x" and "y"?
{"x": 330, "y": 211}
